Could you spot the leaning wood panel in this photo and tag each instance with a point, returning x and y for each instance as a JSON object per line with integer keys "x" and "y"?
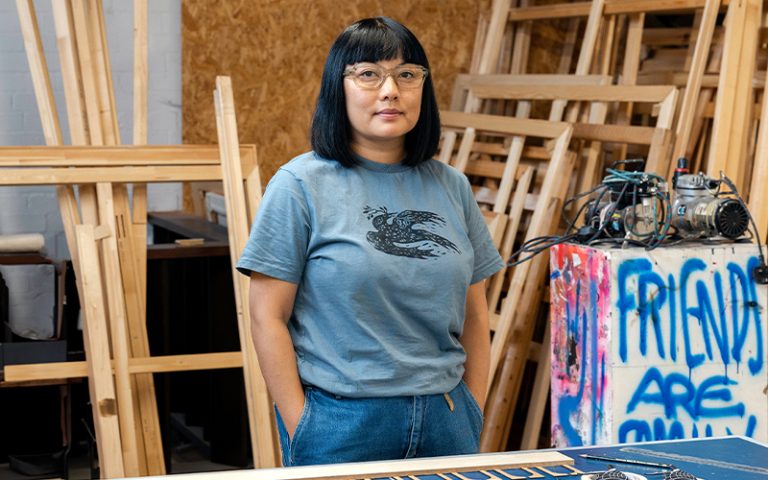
{"x": 102, "y": 390}
{"x": 695, "y": 76}
{"x": 758, "y": 192}
{"x": 40, "y": 79}
{"x": 117, "y": 329}
{"x": 729, "y": 130}
{"x": 264, "y": 445}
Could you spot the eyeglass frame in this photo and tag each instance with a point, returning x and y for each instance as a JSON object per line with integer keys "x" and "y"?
{"x": 388, "y": 72}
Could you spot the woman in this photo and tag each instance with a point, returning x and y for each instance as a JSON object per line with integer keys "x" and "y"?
{"x": 367, "y": 262}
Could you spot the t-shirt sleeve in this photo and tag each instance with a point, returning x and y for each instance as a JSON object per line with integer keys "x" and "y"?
{"x": 277, "y": 245}
{"x": 487, "y": 258}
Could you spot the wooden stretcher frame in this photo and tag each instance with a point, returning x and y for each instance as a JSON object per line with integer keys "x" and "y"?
{"x": 400, "y": 469}
{"x": 612, "y": 7}
{"x": 658, "y": 137}
{"x": 264, "y": 441}
{"x": 101, "y": 389}
{"x": 43, "y": 167}
{"x": 561, "y": 133}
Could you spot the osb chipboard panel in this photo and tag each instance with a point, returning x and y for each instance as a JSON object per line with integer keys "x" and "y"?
{"x": 274, "y": 51}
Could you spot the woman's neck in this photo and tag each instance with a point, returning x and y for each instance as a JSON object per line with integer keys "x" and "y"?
{"x": 389, "y": 153}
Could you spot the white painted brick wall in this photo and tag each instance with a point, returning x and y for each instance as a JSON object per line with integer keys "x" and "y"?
{"x": 34, "y": 209}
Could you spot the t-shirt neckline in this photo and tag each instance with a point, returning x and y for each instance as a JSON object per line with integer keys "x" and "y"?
{"x": 381, "y": 167}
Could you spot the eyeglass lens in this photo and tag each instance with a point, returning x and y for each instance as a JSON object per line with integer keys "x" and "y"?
{"x": 373, "y": 76}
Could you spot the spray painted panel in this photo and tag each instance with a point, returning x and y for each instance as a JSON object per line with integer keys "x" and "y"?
{"x": 667, "y": 344}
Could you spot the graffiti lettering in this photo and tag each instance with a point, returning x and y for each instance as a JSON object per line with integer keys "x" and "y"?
{"x": 664, "y": 350}
{"x": 710, "y": 330}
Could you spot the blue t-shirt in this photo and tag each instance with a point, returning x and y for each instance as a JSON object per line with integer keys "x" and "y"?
{"x": 383, "y": 256}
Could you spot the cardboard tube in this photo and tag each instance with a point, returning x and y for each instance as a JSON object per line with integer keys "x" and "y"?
{"x": 26, "y": 242}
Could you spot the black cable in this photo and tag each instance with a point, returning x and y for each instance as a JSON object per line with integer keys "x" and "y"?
{"x": 735, "y": 192}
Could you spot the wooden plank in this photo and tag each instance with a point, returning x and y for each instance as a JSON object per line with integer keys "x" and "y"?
{"x": 494, "y": 35}
{"x": 630, "y": 69}
{"x": 253, "y": 187}
{"x": 465, "y": 80}
{"x": 521, "y": 45}
{"x": 134, "y": 291}
{"x": 78, "y": 156}
{"x": 500, "y": 124}
{"x": 399, "y": 468}
{"x": 584, "y": 63}
{"x": 614, "y": 133}
{"x": 694, "y": 80}
{"x": 461, "y": 160}
{"x": 70, "y": 70}
{"x": 729, "y": 130}
{"x": 92, "y": 175}
{"x": 97, "y": 42}
{"x": 758, "y": 192}
{"x": 140, "y": 126}
{"x": 140, "y": 70}
{"x": 510, "y": 233}
{"x": 518, "y": 315}
{"x": 446, "y": 147}
{"x": 612, "y": 7}
{"x": 539, "y": 395}
{"x": 39, "y": 70}
{"x": 538, "y": 226}
{"x": 102, "y": 390}
{"x": 590, "y": 93}
{"x": 87, "y": 69}
{"x": 95, "y": 342}
{"x": 500, "y": 409}
{"x": 118, "y": 330}
{"x": 264, "y": 445}
{"x": 156, "y": 364}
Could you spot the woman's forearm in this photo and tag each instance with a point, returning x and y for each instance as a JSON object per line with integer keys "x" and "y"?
{"x": 277, "y": 360}
{"x": 271, "y": 303}
{"x": 476, "y": 341}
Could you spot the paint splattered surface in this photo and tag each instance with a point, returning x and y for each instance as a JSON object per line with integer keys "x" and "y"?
{"x": 667, "y": 344}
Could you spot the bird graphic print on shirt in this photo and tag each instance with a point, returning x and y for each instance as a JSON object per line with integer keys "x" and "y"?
{"x": 409, "y": 233}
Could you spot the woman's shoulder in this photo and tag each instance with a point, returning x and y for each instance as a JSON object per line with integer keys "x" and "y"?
{"x": 308, "y": 164}
{"x": 443, "y": 171}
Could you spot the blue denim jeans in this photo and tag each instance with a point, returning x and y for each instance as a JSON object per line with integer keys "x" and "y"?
{"x": 334, "y": 429}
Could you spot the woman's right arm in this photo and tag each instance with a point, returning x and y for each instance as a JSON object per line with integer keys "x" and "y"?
{"x": 271, "y": 302}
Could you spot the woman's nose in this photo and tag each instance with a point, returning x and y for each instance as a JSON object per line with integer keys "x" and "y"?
{"x": 389, "y": 90}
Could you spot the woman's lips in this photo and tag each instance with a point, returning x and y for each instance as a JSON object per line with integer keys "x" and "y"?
{"x": 389, "y": 113}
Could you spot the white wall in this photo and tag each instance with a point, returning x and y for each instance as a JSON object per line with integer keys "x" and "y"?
{"x": 34, "y": 210}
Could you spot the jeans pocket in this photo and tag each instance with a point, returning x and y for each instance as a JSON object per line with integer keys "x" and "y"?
{"x": 473, "y": 405}
{"x": 303, "y": 420}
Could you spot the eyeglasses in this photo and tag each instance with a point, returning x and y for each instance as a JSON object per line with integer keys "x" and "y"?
{"x": 371, "y": 76}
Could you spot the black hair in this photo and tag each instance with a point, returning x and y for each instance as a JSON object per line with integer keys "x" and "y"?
{"x": 371, "y": 40}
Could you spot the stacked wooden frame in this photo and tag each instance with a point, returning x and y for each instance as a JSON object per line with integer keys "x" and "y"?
{"x": 604, "y": 132}
{"x": 107, "y": 236}
{"x": 496, "y": 152}
{"x": 709, "y": 62}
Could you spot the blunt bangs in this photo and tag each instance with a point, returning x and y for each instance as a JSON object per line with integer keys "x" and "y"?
{"x": 377, "y": 39}
{"x": 371, "y": 40}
